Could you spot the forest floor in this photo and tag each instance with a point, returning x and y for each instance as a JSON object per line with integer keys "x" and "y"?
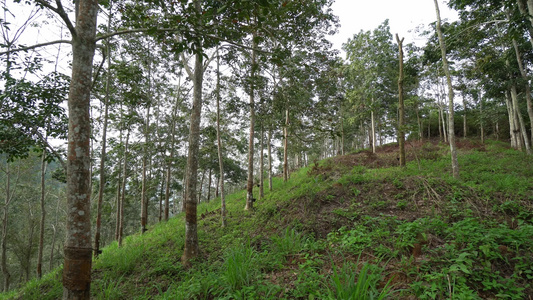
{"x": 350, "y": 227}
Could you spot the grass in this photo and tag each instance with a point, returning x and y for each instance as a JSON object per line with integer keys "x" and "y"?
{"x": 352, "y": 227}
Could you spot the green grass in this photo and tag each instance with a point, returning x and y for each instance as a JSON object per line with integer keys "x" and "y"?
{"x": 335, "y": 231}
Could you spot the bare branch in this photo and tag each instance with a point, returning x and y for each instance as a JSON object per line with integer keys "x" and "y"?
{"x": 35, "y": 46}
{"x": 60, "y": 12}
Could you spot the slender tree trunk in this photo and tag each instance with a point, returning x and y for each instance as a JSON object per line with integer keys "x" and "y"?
{"x": 43, "y": 217}
{"x": 464, "y": 116}
{"x": 286, "y": 148}
{"x": 200, "y": 190}
{"x": 103, "y": 154}
{"x": 250, "y": 181}
{"x": 209, "y": 185}
{"x": 451, "y": 130}
{"x": 119, "y": 186}
{"x": 5, "y": 272}
{"x": 269, "y": 158}
{"x": 124, "y": 180}
{"x": 525, "y": 77}
{"x": 373, "y": 131}
{"x": 514, "y": 133}
{"x": 162, "y": 187}
{"x": 521, "y": 123}
{"x": 401, "y": 130}
{"x": 261, "y": 165}
{"x": 54, "y": 235}
{"x": 481, "y": 121}
{"x": 144, "y": 198}
{"x": 220, "y": 155}
{"x": 419, "y": 123}
{"x": 78, "y": 246}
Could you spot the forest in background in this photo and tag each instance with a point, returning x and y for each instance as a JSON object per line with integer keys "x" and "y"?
{"x": 186, "y": 95}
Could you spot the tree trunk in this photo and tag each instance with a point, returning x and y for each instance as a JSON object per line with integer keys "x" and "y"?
{"x": 122, "y": 196}
{"x": 451, "y": 130}
{"x": 78, "y": 246}
{"x": 269, "y": 158}
{"x": 119, "y": 186}
{"x": 481, "y": 121}
{"x": 5, "y": 271}
{"x": 200, "y": 190}
{"x": 465, "y": 129}
{"x": 523, "y": 73}
{"x": 54, "y": 234}
{"x": 261, "y": 164}
{"x": 43, "y": 217}
{"x": 513, "y": 130}
{"x": 250, "y": 181}
{"x": 401, "y": 125}
{"x": 144, "y": 198}
{"x": 209, "y": 185}
{"x": 191, "y": 226}
{"x": 521, "y": 123}
{"x": 220, "y": 155}
{"x": 285, "y": 147}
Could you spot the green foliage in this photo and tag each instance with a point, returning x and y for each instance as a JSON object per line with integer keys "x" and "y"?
{"x": 470, "y": 245}
{"x": 350, "y": 283}
{"x": 239, "y": 266}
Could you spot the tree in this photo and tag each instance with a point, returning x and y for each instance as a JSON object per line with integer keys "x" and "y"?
{"x": 401, "y": 121}
{"x": 451, "y": 129}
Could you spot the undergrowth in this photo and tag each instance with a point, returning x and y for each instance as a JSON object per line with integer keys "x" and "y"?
{"x": 349, "y": 227}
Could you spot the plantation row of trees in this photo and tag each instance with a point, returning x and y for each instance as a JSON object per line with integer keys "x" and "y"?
{"x": 172, "y": 103}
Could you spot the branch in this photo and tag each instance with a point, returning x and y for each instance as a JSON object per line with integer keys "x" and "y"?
{"x": 60, "y": 12}
{"x": 126, "y": 31}
{"x": 186, "y": 65}
{"x": 210, "y": 59}
{"x": 35, "y": 46}
{"x": 104, "y": 54}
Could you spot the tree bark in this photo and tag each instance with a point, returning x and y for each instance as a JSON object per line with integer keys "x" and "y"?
{"x": 122, "y": 196}
{"x": 250, "y": 181}
{"x": 209, "y": 185}
{"x": 78, "y": 247}
{"x": 119, "y": 186}
{"x": 144, "y": 198}
{"x": 220, "y": 155}
{"x": 521, "y": 123}
{"x": 451, "y": 130}
{"x": 514, "y": 133}
{"x": 525, "y": 77}
{"x": 286, "y": 147}
{"x": 191, "y": 227}
{"x": 465, "y": 129}
{"x": 5, "y": 271}
{"x": 43, "y": 217}
{"x": 373, "y": 133}
{"x": 269, "y": 159}
{"x": 401, "y": 125}
{"x": 261, "y": 164}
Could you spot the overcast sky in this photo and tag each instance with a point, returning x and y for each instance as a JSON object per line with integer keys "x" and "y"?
{"x": 404, "y": 16}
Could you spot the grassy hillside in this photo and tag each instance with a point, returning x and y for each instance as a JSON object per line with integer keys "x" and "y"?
{"x": 350, "y": 227}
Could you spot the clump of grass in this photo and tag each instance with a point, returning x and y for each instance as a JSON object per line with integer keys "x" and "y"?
{"x": 238, "y": 267}
{"x": 347, "y": 283}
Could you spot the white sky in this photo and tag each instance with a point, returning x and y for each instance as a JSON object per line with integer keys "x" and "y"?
{"x": 404, "y": 16}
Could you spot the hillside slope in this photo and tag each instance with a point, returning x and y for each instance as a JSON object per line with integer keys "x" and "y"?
{"x": 350, "y": 227}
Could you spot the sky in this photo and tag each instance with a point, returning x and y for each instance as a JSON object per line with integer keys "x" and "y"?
{"x": 404, "y": 16}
